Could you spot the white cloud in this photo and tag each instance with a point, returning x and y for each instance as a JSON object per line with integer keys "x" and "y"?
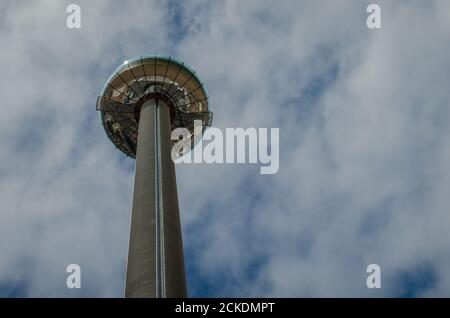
{"x": 363, "y": 152}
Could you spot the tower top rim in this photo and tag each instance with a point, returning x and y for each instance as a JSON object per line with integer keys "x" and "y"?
{"x": 143, "y": 77}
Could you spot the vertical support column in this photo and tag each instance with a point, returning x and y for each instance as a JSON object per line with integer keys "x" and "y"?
{"x": 175, "y": 278}
{"x": 155, "y": 266}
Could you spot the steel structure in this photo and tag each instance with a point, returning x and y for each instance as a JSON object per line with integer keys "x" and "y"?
{"x": 142, "y": 102}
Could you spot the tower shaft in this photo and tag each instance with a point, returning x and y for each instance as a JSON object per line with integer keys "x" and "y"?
{"x": 155, "y": 266}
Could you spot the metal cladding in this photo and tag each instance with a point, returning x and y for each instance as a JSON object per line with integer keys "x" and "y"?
{"x": 142, "y": 102}
{"x": 155, "y": 255}
{"x": 151, "y": 77}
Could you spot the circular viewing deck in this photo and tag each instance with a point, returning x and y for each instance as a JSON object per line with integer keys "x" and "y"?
{"x": 151, "y": 77}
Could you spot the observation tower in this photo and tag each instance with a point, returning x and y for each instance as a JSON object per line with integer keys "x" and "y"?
{"x": 144, "y": 99}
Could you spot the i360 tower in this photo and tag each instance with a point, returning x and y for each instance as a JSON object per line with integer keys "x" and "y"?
{"x": 142, "y": 102}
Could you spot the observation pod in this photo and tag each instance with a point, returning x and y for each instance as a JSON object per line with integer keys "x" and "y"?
{"x": 142, "y": 102}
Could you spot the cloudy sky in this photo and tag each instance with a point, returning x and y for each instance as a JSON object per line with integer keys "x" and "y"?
{"x": 364, "y": 146}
